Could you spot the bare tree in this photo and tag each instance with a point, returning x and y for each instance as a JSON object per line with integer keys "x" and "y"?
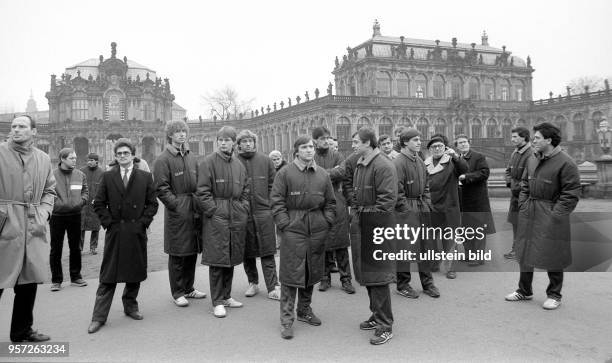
{"x": 226, "y": 104}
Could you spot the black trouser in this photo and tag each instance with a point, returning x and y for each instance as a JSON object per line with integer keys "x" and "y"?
{"x": 404, "y": 277}
{"x": 23, "y": 306}
{"x": 514, "y": 230}
{"x": 93, "y": 241}
{"x": 287, "y": 302}
{"x": 104, "y": 298}
{"x": 220, "y": 279}
{"x": 181, "y": 272}
{"x": 449, "y": 246}
{"x": 268, "y": 267}
{"x": 59, "y": 226}
{"x": 474, "y": 246}
{"x": 555, "y": 283}
{"x": 344, "y": 266}
{"x": 380, "y": 306}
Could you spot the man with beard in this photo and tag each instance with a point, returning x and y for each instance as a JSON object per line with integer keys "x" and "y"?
{"x": 176, "y": 181}
{"x": 338, "y": 238}
{"x": 260, "y": 236}
{"x": 89, "y": 218}
{"x": 72, "y": 195}
{"x": 304, "y": 209}
{"x": 27, "y": 193}
{"x": 514, "y": 173}
{"x": 223, "y": 193}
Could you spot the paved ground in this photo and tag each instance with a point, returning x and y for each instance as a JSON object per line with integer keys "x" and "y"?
{"x": 470, "y": 322}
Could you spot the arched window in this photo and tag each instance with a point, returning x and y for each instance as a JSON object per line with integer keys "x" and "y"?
{"x": 491, "y": 128}
{"x": 596, "y": 118}
{"x": 440, "y": 126}
{"x": 403, "y": 85}
{"x": 363, "y": 121}
{"x": 504, "y": 90}
{"x": 507, "y": 129}
{"x": 489, "y": 89}
{"x": 474, "y": 88}
{"x": 363, "y": 86}
{"x": 518, "y": 90}
{"x": 459, "y": 128}
{"x": 420, "y": 86}
{"x": 383, "y": 84}
{"x": 456, "y": 87}
{"x": 423, "y": 126}
{"x": 438, "y": 87}
{"x": 476, "y": 129}
{"x": 194, "y": 146}
{"x": 343, "y": 133}
{"x": 405, "y": 121}
{"x": 385, "y": 127}
{"x": 578, "y": 123}
{"x": 352, "y": 87}
{"x": 80, "y": 107}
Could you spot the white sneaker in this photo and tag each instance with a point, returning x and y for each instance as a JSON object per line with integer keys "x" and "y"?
{"x": 219, "y": 311}
{"x": 517, "y": 296}
{"x": 252, "y": 290}
{"x": 551, "y": 304}
{"x": 232, "y": 303}
{"x": 275, "y": 294}
{"x": 181, "y": 301}
{"x": 195, "y": 294}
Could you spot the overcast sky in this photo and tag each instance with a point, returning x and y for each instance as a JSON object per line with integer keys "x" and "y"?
{"x": 270, "y": 50}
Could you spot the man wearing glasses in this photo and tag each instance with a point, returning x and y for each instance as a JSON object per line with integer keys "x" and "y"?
{"x": 126, "y": 204}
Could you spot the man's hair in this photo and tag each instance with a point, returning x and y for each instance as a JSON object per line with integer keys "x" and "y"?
{"x": 32, "y": 121}
{"x": 246, "y": 134}
{"x": 549, "y": 131}
{"x": 398, "y": 130}
{"x": 440, "y": 136}
{"x": 227, "y": 131}
{"x": 367, "y": 133}
{"x": 173, "y": 127}
{"x": 522, "y": 132}
{"x": 63, "y": 154}
{"x": 124, "y": 142}
{"x": 382, "y": 138}
{"x": 301, "y": 140}
{"x": 407, "y": 135}
{"x": 275, "y": 153}
{"x": 320, "y": 131}
{"x": 461, "y": 136}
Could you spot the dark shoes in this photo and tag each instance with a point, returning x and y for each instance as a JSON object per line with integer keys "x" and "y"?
{"x": 136, "y": 315}
{"x": 348, "y": 287}
{"x": 334, "y": 269}
{"x": 94, "y": 326}
{"x": 381, "y": 337}
{"x": 324, "y": 285}
{"x": 451, "y": 275}
{"x": 432, "y": 291}
{"x": 408, "y": 292}
{"x": 34, "y": 337}
{"x": 309, "y": 318}
{"x": 510, "y": 255}
{"x": 368, "y": 325}
{"x": 286, "y": 331}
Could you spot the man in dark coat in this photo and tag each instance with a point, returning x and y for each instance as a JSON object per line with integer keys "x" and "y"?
{"x": 414, "y": 202}
{"x": 126, "y": 205}
{"x": 304, "y": 209}
{"x": 337, "y": 242}
{"x": 260, "y": 236}
{"x": 550, "y": 189}
{"x": 89, "y": 218}
{"x": 223, "y": 193}
{"x": 514, "y": 173}
{"x": 444, "y": 167}
{"x": 176, "y": 182}
{"x": 474, "y": 199}
{"x": 375, "y": 190}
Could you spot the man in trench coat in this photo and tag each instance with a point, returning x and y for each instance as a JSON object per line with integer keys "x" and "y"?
{"x": 550, "y": 189}
{"x": 89, "y": 218}
{"x": 27, "y": 193}
{"x": 126, "y": 205}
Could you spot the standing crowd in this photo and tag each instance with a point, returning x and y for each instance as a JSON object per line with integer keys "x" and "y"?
{"x": 238, "y": 205}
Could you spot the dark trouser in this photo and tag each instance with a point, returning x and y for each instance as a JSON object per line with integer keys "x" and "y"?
{"x": 287, "y": 302}
{"x": 344, "y": 266}
{"x": 23, "y": 306}
{"x": 555, "y": 283}
{"x": 104, "y": 298}
{"x": 380, "y": 306}
{"x": 404, "y": 277}
{"x": 474, "y": 246}
{"x": 514, "y": 230}
{"x": 93, "y": 241}
{"x": 72, "y": 226}
{"x": 268, "y": 267}
{"x": 181, "y": 272}
{"x": 220, "y": 279}
{"x": 448, "y": 245}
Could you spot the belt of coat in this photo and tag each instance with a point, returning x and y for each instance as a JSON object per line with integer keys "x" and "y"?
{"x": 29, "y": 206}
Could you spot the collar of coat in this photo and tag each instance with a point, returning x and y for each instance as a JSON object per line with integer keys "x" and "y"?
{"x": 302, "y": 165}
{"x": 542, "y": 157}
{"x": 431, "y": 169}
{"x": 365, "y": 161}
{"x": 174, "y": 150}
{"x": 525, "y": 147}
{"x": 467, "y": 155}
{"x": 409, "y": 154}
{"x": 224, "y": 156}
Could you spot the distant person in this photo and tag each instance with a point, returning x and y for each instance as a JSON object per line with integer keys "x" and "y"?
{"x": 72, "y": 195}
{"x": 386, "y": 146}
{"x": 277, "y": 159}
{"x": 89, "y": 218}
{"x": 27, "y": 193}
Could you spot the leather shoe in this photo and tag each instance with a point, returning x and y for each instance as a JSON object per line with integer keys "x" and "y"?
{"x": 94, "y": 326}
{"x": 136, "y": 315}
{"x": 34, "y": 337}
{"x": 324, "y": 285}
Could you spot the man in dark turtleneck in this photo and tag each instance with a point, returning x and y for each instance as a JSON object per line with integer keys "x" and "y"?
{"x": 89, "y": 218}
{"x": 338, "y": 237}
{"x": 27, "y": 192}
{"x": 260, "y": 237}
{"x": 72, "y": 195}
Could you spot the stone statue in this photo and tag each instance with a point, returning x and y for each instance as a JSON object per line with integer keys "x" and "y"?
{"x": 79, "y": 73}
{"x": 138, "y": 78}
{"x": 411, "y": 53}
{"x": 268, "y": 109}
{"x": 607, "y": 85}
{"x": 101, "y": 58}
{"x": 528, "y": 62}
{"x": 113, "y": 50}
{"x": 329, "y": 88}
{"x": 344, "y": 58}
{"x": 307, "y": 96}
{"x": 337, "y": 62}
{"x": 274, "y": 106}
{"x": 569, "y": 93}
{"x": 252, "y": 114}
{"x": 316, "y": 93}
{"x": 282, "y": 104}
{"x": 298, "y": 99}
{"x": 125, "y": 59}
{"x": 289, "y": 98}
{"x": 511, "y": 61}
{"x": 53, "y": 84}
{"x": 90, "y": 78}
{"x": 256, "y": 113}
{"x": 148, "y": 76}
{"x": 480, "y": 61}
{"x": 262, "y": 110}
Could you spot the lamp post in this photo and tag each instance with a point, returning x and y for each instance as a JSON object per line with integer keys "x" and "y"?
{"x": 604, "y": 163}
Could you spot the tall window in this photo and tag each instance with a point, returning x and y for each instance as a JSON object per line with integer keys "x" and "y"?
{"x": 578, "y": 127}
{"x": 363, "y": 86}
{"x": 440, "y": 126}
{"x": 352, "y": 87}
{"x": 423, "y": 127}
{"x": 343, "y": 133}
{"x": 147, "y": 111}
{"x": 385, "y": 127}
{"x": 438, "y": 85}
{"x": 383, "y": 84}
{"x": 491, "y": 128}
{"x": 489, "y": 88}
{"x": 194, "y": 147}
{"x": 420, "y": 86}
{"x": 519, "y": 94}
{"x": 507, "y": 129}
{"x": 504, "y": 93}
{"x": 80, "y": 110}
{"x": 209, "y": 147}
{"x": 456, "y": 87}
{"x": 403, "y": 86}
{"x": 476, "y": 129}
{"x": 474, "y": 89}
{"x": 459, "y": 129}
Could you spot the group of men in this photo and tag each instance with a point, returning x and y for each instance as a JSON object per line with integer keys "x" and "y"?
{"x": 237, "y": 203}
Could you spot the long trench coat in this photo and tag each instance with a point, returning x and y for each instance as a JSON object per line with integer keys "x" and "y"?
{"x": 304, "y": 209}
{"x": 550, "y": 189}
{"x": 175, "y": 177}
{"x": 333, "y": 162}
{"x": 125, "y": 213}
{"x": 474, "y": 194}
{"x": 89, "y": 218}
{"x": 514, "y": 174}
{"x": 260, "y": 235}
{"x": 27, "y": 193}
{"x": 443, "y": 184}
{"x": 223, "y": 194}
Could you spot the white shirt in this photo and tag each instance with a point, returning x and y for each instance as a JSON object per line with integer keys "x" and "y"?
{"x": 127, "y": 172}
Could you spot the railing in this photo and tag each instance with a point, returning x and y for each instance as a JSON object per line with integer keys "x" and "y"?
{"x": 577, "y": 97}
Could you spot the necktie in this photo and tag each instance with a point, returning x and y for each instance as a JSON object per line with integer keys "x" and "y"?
{"x": 125, "y": 178}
